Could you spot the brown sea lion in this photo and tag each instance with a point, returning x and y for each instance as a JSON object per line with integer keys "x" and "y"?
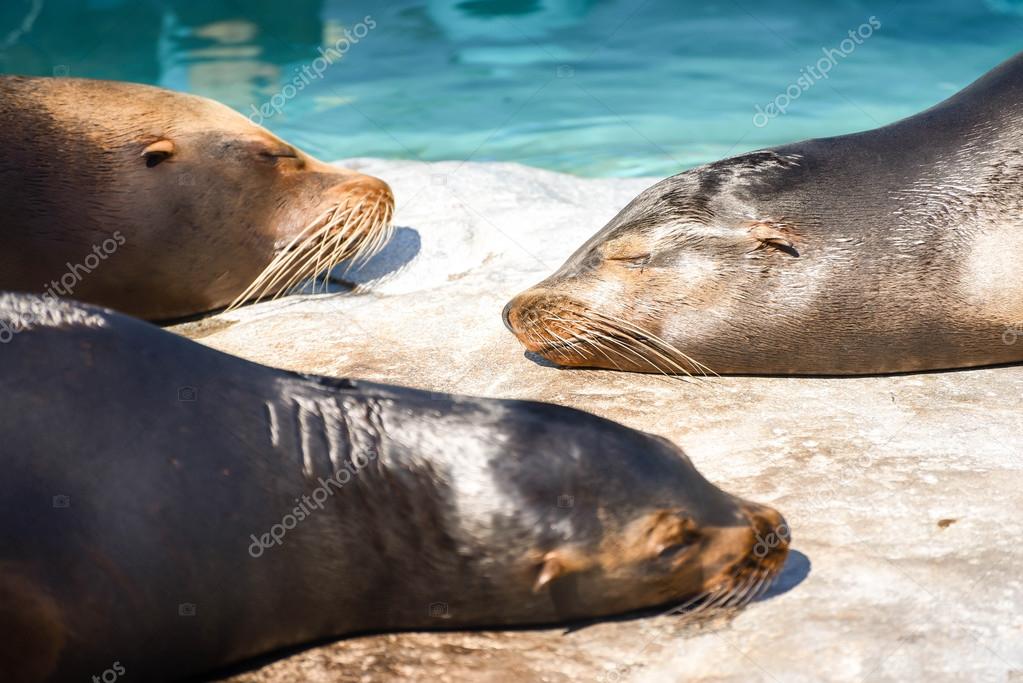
{"x": 161, "y": 204}
{"x": 894, "y": 250}
{"x": 173, "y": 509}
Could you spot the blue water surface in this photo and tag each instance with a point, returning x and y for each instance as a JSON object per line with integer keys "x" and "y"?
{"x": 592, "y": 87}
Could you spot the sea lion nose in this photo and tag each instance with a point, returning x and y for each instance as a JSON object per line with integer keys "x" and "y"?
{"x": 505, "y": 316}
{"x": 771, "y": 534}
{"x": 521, "y": 312}
{"x": 528, "y": 315}
{"x": 762, "y": 517}
{"x": 368, "y": 187}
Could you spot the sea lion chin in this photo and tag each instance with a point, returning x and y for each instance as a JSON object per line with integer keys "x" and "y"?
{"x": 895, "y": 250}
{"x": 162, "y": 204}
{"x": 207, "y": 509}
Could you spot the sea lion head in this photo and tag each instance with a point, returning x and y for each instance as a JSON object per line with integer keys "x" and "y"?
{"x": 671, "y": 283}
{"x": 520, "y": 512}
{"x": 638, "y": 526}
{"x": 574, "y": 517}
{"x": 208, "y": 207}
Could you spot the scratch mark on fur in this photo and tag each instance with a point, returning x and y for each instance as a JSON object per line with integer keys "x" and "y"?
{"x": 307, "y": 414}
{"x": 271, "y": 419}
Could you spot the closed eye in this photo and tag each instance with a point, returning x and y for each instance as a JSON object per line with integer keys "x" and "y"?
{"x": 672, "y": 550}
{"x": 637, "y": 261}
{"x": 274, "y": 155}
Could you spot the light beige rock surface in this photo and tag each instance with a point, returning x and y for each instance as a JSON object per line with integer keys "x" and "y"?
{"x": 905, "y": 494}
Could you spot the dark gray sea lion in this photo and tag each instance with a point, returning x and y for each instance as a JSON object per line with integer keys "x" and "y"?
{"x": 163, "y": 205}
{"x": 173, "y": 509}
{"x": 893, "y": 250}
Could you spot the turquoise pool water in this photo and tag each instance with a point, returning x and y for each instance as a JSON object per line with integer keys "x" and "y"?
{"x": 592, "y": 87}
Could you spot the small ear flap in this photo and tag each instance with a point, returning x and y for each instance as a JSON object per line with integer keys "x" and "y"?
{"x": 559, "y": 563}
{"x": 668, "y": 528}
{"x": 551, "y": 569}
{"x": 157, "y": 152}
{"x": 773, "y": 234}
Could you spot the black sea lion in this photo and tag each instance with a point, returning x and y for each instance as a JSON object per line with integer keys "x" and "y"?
{"x": 161, "y": 204}
{"x": 172, "y": 509}
{"x": 893, "y": 250}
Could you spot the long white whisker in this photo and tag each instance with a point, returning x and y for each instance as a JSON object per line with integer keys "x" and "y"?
{"x": 341, "y": 233}
{"x": 662, "y": 343}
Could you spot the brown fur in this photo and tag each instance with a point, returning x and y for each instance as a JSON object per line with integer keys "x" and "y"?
{"x": 34, "y": 631}
{"x": 198, "y": 199}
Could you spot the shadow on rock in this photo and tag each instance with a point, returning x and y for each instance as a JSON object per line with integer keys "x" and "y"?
{"x": 539, "y": 360}
{"x": 400, "y": 250}
{"x": 797, "y": 568}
